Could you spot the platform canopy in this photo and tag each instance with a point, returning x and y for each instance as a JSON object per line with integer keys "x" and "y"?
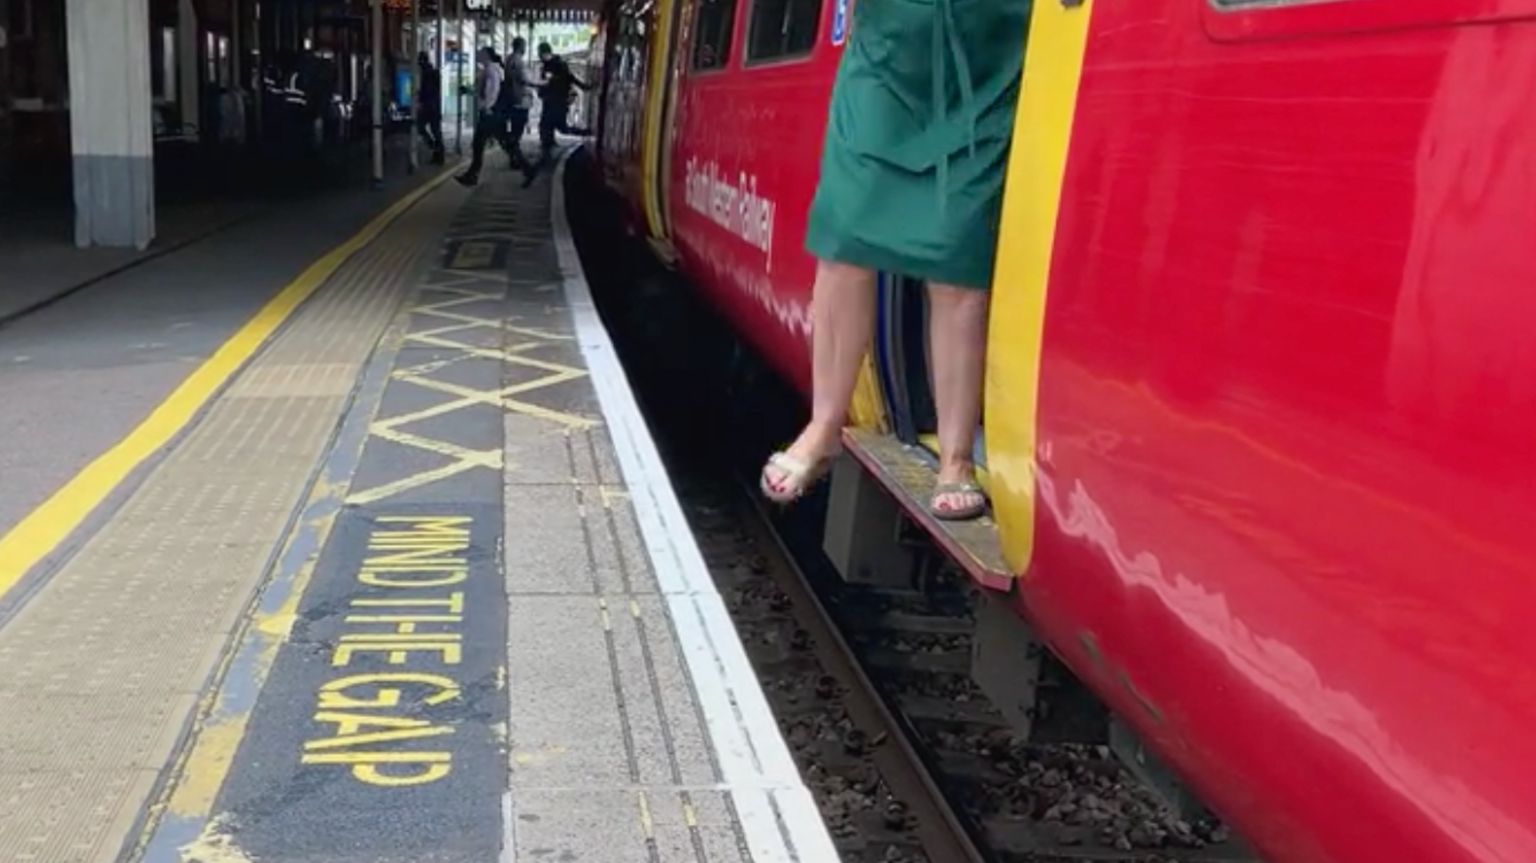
{"x": 554, "y": 11}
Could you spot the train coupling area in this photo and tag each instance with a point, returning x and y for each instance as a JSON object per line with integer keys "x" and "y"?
{"x": 400, "y": 579}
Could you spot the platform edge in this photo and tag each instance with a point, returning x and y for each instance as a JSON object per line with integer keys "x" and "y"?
{"x": 777, "y": 814}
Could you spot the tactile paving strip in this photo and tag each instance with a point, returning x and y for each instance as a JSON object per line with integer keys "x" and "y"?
{"x": 101, "y": 669}
{"x": 618, "y": 752}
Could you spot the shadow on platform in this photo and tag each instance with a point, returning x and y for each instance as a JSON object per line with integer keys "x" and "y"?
{"x": 199, "y": 191}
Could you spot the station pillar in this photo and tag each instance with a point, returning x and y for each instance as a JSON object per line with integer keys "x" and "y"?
{"x": 111, "y": 131}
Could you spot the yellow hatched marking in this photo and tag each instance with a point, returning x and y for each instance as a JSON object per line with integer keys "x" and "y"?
{"x": 458, "y": 296}
{"x": 502, "y": 398}
{"x": 470, "y": 395}
{"x": 426, "y": 368}
{"x": 480, "y": 275}
{"x": 388, "y": 490}
{"x": 441, "y": 310}
{"x": 455, "y": 286}
{"x": 550, "y": 415}
{"x": 466, "y": 323}
{"x": 509, "y": 350}
{"x": 471, "y": 457}
{"x": 485, "y": 353}
{"x": 464, "y": 459}
{"x": 532, "y": 333}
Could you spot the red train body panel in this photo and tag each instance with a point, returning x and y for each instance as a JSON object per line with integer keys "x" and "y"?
{"x": 1286, "y": 462}
{"x": 747, "y": 146}
{"x": 1286, "y": 404}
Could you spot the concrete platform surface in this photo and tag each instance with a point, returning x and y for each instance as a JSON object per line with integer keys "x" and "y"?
{"x": 413, "y": 588}
{"x": 80, "y": 374}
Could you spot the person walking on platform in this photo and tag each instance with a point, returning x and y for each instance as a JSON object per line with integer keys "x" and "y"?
{"x": 911, "y": 185}
{"x": 517, "y": 96}
{"x": 556, "y": 91}
{"x": 490, "y": 123}
{"x": 429, "y": 108}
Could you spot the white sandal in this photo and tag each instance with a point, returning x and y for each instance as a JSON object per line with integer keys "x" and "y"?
{"x": 799, "y": 477}
{"x": 976, "y": 506}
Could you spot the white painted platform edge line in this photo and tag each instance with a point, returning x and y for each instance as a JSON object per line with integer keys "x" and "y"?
{"x": 735, "y": 709}
{"x": 508, "y": 829}
{"x": 720, "y": 646}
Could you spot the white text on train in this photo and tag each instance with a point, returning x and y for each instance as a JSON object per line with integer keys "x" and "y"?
{"x": 735, "y": 207}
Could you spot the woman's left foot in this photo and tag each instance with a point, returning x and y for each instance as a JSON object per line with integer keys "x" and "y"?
{"x": 958, "y": 501}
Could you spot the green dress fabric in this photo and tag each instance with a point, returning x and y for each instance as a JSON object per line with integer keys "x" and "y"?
{"x": 918, "y": 136}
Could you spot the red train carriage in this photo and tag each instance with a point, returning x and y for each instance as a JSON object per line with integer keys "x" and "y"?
{"x": 1262, "y": 391}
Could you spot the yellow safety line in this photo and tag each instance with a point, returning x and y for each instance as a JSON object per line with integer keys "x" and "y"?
{"x": 44, "y": 529}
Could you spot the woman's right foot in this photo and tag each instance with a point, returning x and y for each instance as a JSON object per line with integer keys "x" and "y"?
{"x": 786, "y": 479}
{"x": 789, "y": 474}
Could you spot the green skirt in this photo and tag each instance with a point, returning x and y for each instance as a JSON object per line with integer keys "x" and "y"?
{"x": 917, "y": 140}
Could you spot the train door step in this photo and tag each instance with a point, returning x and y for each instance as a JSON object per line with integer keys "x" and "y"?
{"x": 908, "y": 476}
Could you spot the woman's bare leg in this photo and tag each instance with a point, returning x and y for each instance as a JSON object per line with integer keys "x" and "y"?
{"x": 957, "y": 327}
{"x": 842, "y": 324}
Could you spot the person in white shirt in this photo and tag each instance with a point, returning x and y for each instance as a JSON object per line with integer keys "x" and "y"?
{"x": 517, "y": 101}
{"x": 491, "y": 123}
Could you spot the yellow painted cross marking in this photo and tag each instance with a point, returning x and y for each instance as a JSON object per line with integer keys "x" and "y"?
{"x": 423, "y": 375}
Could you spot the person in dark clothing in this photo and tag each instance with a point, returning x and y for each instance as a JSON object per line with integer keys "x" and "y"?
{"x": 429, "y": 108}
{"x": 556, "y": 92}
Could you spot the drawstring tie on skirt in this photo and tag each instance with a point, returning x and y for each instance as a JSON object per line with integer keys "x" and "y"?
{"x": 947, "y": 35}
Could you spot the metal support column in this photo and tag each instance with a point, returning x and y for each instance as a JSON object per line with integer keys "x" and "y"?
{"x": 236, "y": 55}
{"x": 415, "y": 159}
{"x": 258, "y": 75}
{"x": 111, "y": 137}
{"x": 458, "y": 95}
{"x": 377, "y": 26}
{"x": 442, "y": 70}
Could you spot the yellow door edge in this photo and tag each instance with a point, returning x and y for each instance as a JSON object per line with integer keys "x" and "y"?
{"x": 868, "y": 409}
{"x": 1053, "y": 67}
{"x": 657, "y": 89}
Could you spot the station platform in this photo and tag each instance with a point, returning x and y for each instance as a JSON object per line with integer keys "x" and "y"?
{"x": 394, "y": 574}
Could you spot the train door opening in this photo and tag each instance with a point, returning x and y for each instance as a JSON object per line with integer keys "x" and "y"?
{"x": 903, "y": 353}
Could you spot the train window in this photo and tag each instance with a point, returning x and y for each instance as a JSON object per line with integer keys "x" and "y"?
{"x": 1243, "y": 20}
{"x": 712, "y": 33}
{"x": 782, "y": 28}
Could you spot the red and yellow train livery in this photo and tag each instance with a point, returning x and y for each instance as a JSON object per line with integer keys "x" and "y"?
{"x": 1261, "y": 397}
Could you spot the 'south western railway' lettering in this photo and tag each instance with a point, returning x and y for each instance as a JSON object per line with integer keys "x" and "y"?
{"x": 372, "y": 720}
{"x": 736, "y": 207}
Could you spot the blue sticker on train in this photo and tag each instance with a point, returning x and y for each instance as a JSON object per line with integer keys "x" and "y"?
{"x": 840, "y": 23}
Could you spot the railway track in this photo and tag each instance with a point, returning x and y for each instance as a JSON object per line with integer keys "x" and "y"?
{"x": 871, "y": 686}
{"x": 908, "y": 759}
{"x": 913, "y": 819}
